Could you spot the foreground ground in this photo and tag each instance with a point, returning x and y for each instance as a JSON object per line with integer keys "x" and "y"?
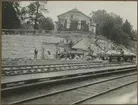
{"x": 125, "y": 95}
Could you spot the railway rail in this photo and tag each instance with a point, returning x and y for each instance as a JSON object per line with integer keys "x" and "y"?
{"x": 104, "y": 92}
{"x": 114, "y": 80}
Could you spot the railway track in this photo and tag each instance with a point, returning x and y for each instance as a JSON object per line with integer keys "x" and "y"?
{"x": 86, "y": 85}
{"x": 65, "y": 77}
{"x": 104, "y": 91}
{"x": 78, "y": 91}
{"x": 29, "y": 69}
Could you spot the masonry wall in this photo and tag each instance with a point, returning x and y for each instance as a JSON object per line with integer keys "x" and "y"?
{"x": 22, "y": 46}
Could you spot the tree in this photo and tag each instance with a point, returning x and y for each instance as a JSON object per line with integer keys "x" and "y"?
{"x": 21, "y": 12}
{"x": 35, "y": 11}
{"x": 98, "y": 17}
{"x": 134, "y": 35}
{"x": 17, "y": 7}
{"x": 10, "y": 19}
{"x": 127, "y": 28}
{"x": 46, "y": 23}
{"x": 112, "y": 27}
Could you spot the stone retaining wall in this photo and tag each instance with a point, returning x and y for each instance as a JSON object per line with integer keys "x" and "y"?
{"x": 22, "y": 46}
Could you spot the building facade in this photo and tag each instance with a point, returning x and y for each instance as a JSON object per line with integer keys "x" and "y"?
{"x": 75, "y": 20}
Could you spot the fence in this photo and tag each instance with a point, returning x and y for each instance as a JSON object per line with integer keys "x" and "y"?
{"x": 38, "y": 32}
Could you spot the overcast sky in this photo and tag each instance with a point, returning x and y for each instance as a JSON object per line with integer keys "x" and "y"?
{"x": 127, "y": 10}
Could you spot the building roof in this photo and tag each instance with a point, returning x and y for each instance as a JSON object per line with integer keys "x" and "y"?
{"x": 76, "y": 11}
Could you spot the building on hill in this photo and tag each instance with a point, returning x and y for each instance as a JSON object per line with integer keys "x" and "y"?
{"x": 75, "y": 20}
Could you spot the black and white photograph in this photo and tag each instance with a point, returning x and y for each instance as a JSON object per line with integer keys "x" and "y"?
{"x": 69, "y": 52}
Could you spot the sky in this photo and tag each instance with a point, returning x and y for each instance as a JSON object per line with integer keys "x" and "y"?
{"x": 127, "y": 10}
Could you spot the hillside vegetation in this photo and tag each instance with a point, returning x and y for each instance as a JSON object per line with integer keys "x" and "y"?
{"x": 112, "y": 27}
{"x": 109, "y": 25}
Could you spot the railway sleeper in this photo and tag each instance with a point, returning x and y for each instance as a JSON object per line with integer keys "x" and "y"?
{"x": 38, "y": 66}
{"x": 50, "y": 69}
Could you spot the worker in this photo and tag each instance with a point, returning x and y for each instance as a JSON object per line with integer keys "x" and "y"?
{"x": 35, "y": 53}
